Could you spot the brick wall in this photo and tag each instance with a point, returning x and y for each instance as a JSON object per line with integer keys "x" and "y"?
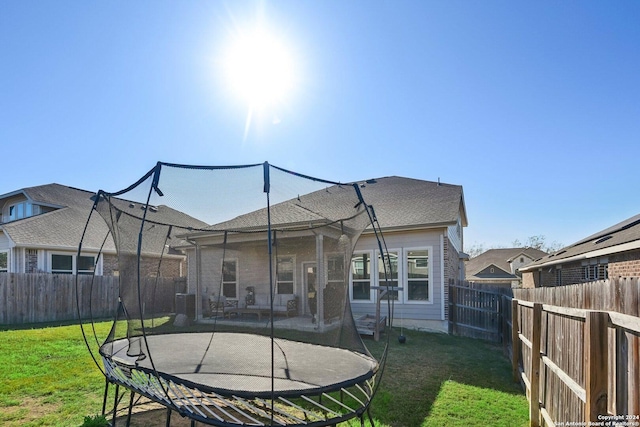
{"x": 31, "y": 261}
{"x": 626, "y": 264}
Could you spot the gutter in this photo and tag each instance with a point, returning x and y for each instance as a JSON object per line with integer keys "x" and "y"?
{"x": 629, "y": 246}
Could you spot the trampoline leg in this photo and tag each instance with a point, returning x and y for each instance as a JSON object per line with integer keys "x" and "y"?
{"x": 130, "y": 408}
{"x": 104, "y": 399}
{"x": 370, "y": 418}
{"x": 115, "y": 405}
{"x": 168, "y": 424}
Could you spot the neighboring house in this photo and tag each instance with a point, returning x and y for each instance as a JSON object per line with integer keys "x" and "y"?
{"x": 500, "y": 266}
{"x": 41, "y": 227}
{"x": 613, "y": 252}
{"x": 422, "y": 224}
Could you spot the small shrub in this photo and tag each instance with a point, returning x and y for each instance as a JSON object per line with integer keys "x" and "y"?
{"x": 95, "y": 421}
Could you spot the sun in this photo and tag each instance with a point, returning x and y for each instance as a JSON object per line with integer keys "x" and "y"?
{"x": 259, "y": 68}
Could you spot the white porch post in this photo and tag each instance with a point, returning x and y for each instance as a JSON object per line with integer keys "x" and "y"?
{"x": 320, "y": 278}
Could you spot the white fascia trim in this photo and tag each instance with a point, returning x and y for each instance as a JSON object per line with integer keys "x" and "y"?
{"x": 593, "y": 254}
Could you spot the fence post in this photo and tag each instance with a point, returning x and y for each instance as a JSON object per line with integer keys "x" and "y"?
{"x": 534, "y": 402}
{"x": 504, "y": 323}
{"x": 596, "y": 364}
{"x": 453, "y": 297}
{"x": 515, "y": 341}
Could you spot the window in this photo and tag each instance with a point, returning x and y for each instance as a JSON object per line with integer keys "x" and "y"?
{"x": 4, "y": 262}
{"x": 418, "y": 275}
{"x": 86, "y": 264}
{"x": 361, "y": 277}
{"x": 558, "y": 277}
{"x": 595, "y": 272}
{"x": 230, "y": 279}
{"x": 64, "y": 264}
{"x": 284, "y": 275}
{"x": 390, "y": 264}
{"x": 23, "y": 210}
{"x": 335, "y": 270}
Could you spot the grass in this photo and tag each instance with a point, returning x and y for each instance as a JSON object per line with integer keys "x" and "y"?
{"x": 49, "y": 379}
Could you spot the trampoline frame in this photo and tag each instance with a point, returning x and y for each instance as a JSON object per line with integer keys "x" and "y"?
{"x": 215, "y": 409}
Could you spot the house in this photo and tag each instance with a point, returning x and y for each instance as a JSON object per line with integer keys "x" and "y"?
{"x": 41, "y": 227}
{"x": 612, "y": 252}
{"x": 422, "y": 224}
{"x": 500, "y": 266}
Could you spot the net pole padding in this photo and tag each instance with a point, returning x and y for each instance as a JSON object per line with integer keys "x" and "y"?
{"x": 153, "y": 187}
{"x": 267, "y": 189}
{"x": 382, "y": 246}
{"x": 84, "y": 335}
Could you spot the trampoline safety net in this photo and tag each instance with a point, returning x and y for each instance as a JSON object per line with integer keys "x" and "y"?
{"x": 232, "y": 305}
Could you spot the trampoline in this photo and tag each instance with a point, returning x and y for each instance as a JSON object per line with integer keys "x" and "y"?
{"x": 194, "y": 245}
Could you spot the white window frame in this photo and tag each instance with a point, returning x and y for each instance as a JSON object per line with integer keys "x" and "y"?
{"x": 96, "y": 265}
{"x": 372, "y": 274}
{"x": 237, "y": 281}
{"x": 401, "y": 277}
{"x": 405, "y": 276}
{"x": 293, "y": 272}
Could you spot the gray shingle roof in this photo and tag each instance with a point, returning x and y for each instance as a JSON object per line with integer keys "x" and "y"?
{"x": 397, "y": 201}
{"x": 63, "y": 227}
{"x": 498, "y": 258}
{"x": 402, "y": 202}
{"x": 606, "y": 240}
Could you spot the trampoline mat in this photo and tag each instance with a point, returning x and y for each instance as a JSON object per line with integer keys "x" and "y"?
{"x": 235, "y": 363}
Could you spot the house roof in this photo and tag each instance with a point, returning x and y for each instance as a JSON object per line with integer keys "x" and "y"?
{"x": 477, "y": 267}
{"x": 407, "y": 202}
{"x": 620, "y": 237}
{"x": 63, "y": 227}
{"x": 398, "y": 203}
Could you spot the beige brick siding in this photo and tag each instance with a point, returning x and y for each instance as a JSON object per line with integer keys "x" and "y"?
{"x": 626, "y": 264}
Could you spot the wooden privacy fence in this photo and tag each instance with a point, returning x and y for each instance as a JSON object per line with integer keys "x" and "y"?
{"x": 577, "y": 351}
{"x": 480, "y": 312}
{"x": 42, "y": 297}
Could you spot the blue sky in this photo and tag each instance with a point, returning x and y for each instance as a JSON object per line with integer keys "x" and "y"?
{"x": 533, "y": 107}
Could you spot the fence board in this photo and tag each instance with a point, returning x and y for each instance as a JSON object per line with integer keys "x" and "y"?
{"x": 590, "y": 348}
{"x": 41, "y": 297}
{"x": 478, "y": 312}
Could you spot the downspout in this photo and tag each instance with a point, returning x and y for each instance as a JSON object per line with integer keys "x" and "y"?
{"x": 442, "y": 317}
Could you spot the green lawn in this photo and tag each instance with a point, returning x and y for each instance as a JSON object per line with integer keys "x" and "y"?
{"x": 49, "y": 379}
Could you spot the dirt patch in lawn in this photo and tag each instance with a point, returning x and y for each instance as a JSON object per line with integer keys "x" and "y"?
{"x": 30, "y": 409}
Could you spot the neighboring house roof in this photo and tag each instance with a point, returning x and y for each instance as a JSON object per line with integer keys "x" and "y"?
{"x": 63, "y": 227}
{"x": 623, "y": 236}
{"x": 399, "y": 203}
{"x": 479, "y": 267}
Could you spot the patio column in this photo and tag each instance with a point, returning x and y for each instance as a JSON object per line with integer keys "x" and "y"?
{"x": 320, "y": 279}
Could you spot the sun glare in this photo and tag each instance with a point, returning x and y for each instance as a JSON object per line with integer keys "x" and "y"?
{"x": 259, "y": 69}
